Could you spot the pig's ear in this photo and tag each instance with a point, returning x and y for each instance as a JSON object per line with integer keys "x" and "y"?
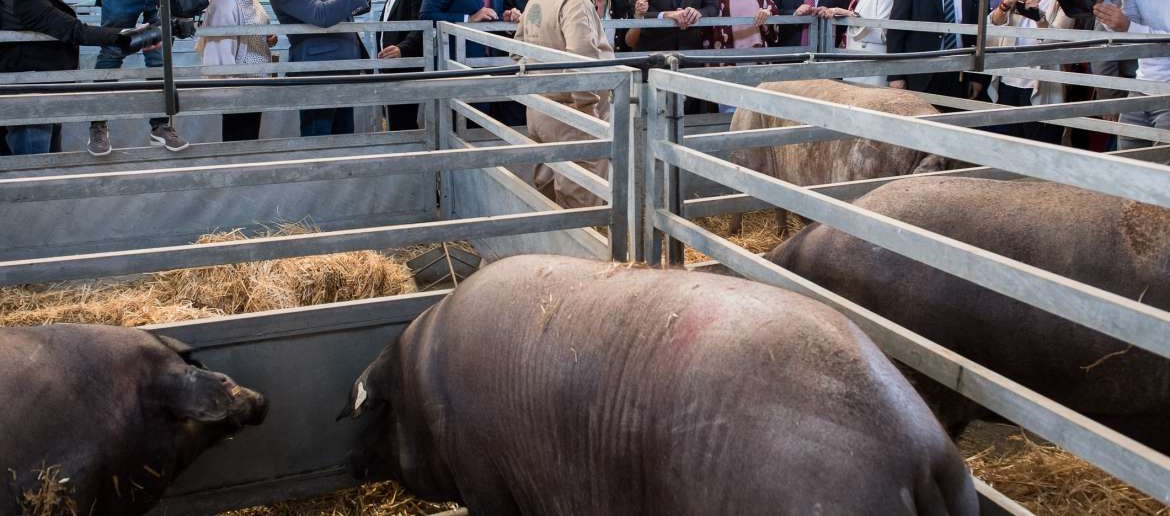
{"x": 180, "y": 348}
{"x": 201, "y": 395}
{"x": 359, "y": 395}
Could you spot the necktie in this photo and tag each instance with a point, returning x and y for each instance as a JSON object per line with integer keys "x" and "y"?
{"x": 949, "y": 40}
{"x": 804, "y": 33}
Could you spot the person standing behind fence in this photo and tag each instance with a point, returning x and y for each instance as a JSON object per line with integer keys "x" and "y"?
{"x": 236, "y": 50}
{"x": 323, "y": 47}
{"x": 684, "y": 13}
{"x": 399, "y": 44}
{"x": 124, "y": 14}
{"x": 54, "y": 18}
{"x": 1013, "y": 91}
{"x": 1142, "y": 17}
{"x": 952, "y": 84}
{"x": 863, "y": 39}
{"x": 570, "y": 26}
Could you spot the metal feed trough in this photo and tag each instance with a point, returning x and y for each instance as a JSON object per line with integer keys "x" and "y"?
{"x": 137, "y": 210}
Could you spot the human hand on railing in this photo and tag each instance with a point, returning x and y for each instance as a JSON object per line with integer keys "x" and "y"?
{"x": 806, "y": 10}
{"x": 761, "y": 16}
{"x": 1112, "y": 17}
{"x": 640, "y": 8}
{"x": 390, "y": 52}
{"x": 684, "y": 17}
{"x": 834, "y": 12}
{"x": 271, "y": 40}
{"x": 899, "y": 84}
{"x": 1112, "y": 117}
{"x": 512, "y": 15}
{"x": 484, "y": 14}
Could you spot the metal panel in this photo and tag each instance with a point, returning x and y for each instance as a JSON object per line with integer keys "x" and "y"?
{"x": 498, "y": 191}
{"x": 1126, "y": 178}
{"x": 1119, "y": 455}
{"x": 596, "y": 185}
{"x": 303, "y": 361}
{"x": 1106, "y": 312}
{"x": 889, "y": 66}
{"x": 34, "y": 165}
{"x": 982, "y": 114}
{"x": 198, "y": 255}
{"x": 37, "y": 189}
{"x": 20, "y": 109}
{"x": 848, "y": 191}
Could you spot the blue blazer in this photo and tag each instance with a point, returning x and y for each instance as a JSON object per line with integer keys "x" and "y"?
{"x": 322, "y": 13}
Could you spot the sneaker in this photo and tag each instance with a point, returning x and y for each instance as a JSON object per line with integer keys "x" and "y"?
{"x": 99, "y": 140}
{"x": 166, "y": 136}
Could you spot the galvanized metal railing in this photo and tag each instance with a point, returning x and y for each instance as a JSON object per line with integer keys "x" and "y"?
{"x": 1123, "y": 318}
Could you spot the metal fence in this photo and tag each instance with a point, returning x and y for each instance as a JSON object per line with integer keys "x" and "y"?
{"x": 274, "y": 351}
{"x": 944, "y": 135}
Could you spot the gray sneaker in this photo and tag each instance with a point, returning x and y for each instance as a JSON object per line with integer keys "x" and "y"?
{"x": 99, "y": 139}
{"x": 166, "y": 136}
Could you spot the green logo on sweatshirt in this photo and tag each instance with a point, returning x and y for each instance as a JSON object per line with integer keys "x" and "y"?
{"x": 532, "y": 15}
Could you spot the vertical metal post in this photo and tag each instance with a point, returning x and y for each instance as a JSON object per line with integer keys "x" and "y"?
{"x": 443, "y": 129}
{"x": 619, "y": 179}
{"x": 638, "y": 190}
{"x": 675, "y": 127}
{"x": 430, "y": 107}
{"x": 653, "y": 112}
{"x": 461, "y": 57}
{"x": 171, "y": 96}
{"x": 981, "y": 36}
{"x": 827, "y": 41}
{"x": 814, "y": 35}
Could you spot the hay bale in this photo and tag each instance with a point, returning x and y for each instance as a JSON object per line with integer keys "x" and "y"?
{"x": 377, "y": 499}
{"x": 759, "y": 232}
{"x": 1045, "y": 478}
{"x": 202, "y": 292}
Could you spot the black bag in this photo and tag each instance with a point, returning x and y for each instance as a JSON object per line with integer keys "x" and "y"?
{"x": 188, "y": 8}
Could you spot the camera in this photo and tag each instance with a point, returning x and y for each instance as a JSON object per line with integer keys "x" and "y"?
{"x": 1031, "y": 14}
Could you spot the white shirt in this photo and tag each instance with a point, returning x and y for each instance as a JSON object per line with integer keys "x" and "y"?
{"x": 1149, "y": 17}
{"x": 387, "y": 9}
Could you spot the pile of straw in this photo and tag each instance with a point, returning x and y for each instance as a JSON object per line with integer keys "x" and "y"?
{"x": 759, "y": 233}
{"x": 378, "y": 499}
{"x": 186, "y": 294}
{"x": 53, "y": 496}
{"x": 1045, "y": 478}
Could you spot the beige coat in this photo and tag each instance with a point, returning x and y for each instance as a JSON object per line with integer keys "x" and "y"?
{"x": 570, "y": 26}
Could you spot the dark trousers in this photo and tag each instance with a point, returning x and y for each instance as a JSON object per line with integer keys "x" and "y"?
{"x": 947, "y": 83}
{"x": 241, "y": 126}
{"x": 402, "y": 117}
{"x": 319, "y": 122}
{"x": 1035, "y": 131}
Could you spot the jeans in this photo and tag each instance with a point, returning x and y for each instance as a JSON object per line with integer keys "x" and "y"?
{"x": 319, "y": 122}
{"x": 123, "y": 14}
{"x": 1156, "y": 118}
{"x": 30, "y": 139}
